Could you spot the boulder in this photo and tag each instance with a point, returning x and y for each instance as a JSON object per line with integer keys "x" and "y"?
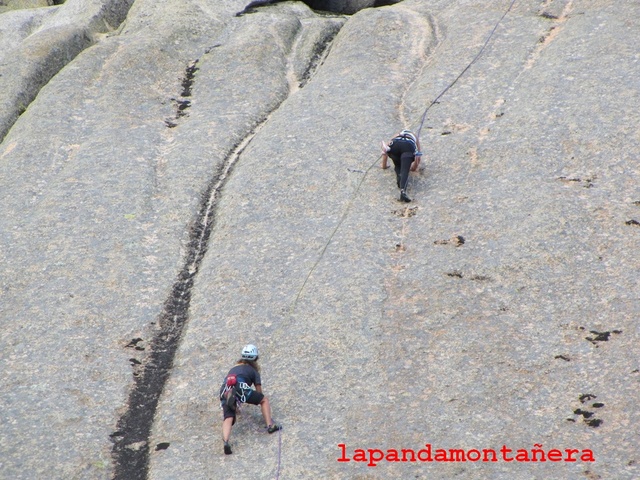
{"x": 187, "y": 181}
{"x": 27, "y": 67}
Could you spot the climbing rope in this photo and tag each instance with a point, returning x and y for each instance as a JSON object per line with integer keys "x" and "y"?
{"x": 279, "y": 453}
{"x": 475, "y": 59}
{"x": 324, "y": 249}
{"x": 356, "y": 191}
{"x": 424, "y": 116}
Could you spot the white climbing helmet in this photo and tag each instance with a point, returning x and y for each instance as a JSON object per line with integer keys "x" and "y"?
{"x": 249, "y": 352}
{"x": 408, "y": 133}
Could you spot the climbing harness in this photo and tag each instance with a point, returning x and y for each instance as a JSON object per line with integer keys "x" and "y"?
{"x": 235, "y": 392}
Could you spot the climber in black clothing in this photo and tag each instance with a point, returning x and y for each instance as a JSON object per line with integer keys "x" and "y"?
{"x": 404, "y": 150}
{"x": 237, "y": 389}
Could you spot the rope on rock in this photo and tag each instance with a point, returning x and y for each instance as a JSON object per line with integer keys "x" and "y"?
{"x": 356, "y": 191}
{"x": 279, "y": 453}
{"x": 475, "y": 59}
{"x": 424, "y": 116}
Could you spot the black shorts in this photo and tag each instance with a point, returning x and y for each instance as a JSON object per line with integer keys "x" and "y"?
{"x": 398, "y": 146}
{"x": 254, "y": 398}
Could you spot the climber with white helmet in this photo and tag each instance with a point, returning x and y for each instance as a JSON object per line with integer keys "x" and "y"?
{"x": 237, "y": 389}
{"x": 404, "y": 150}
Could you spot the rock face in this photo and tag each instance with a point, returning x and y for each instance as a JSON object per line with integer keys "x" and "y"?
{"x": 7, "y": 5}
{"x": 178, "y": 181}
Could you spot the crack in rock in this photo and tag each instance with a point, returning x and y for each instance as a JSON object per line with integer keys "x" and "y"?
{"x": 182, "y": 104}
{"x": 134, "y": 427}
{"x": 131, "y": 440}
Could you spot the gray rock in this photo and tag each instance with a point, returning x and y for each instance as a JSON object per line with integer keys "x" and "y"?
{"x": 195, "y": 181}
{"x": 17, "y": 25}
{"x": 27, "y": 67}
{"x": 7, "y": 5}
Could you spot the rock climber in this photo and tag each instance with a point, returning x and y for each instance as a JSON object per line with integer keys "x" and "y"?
{"x": 237, "y": 389}
{"x": 404, "y": 150}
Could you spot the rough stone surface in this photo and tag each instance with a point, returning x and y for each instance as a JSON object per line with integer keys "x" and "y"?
{"x": 240, "y": 154}
{"x": 7, "y": 5}
{"x": 17, "y": 25}
{"x": 27, "y": 67}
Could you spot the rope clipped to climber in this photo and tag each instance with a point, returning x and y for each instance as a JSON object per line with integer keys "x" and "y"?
{"x": 404, "y": 148}
{"x": 241, "y": 385}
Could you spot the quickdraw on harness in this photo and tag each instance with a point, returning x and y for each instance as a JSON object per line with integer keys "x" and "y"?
{"x": 235, "y": 391}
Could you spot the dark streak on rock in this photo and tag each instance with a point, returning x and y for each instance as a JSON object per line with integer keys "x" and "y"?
{"x": 562, "y": 357}
{"x": 181, "y": 104}
{"x": 587, "y": 182}
{"x": 187, "y": 81}
{"x": 162, "y": 446}
{"x": 632, "y": 222}
{"x": 457, "y": 240}
{"x": 584, "y": 413}
{"x": 134, "y": 427}
{"x": 588, "y": 416}
{"x": 480, "y": 278}
{"x": 596, "y": 422}
{"x": 133, "y": 343}
{"x": 601, "y": 336}
{"x": 252, "y": 6}
{"x": 549, "y": 16}
{"x": 586, "y": 397}
{"x": 208, "y": 50}
{"x": 320, "y": 52}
